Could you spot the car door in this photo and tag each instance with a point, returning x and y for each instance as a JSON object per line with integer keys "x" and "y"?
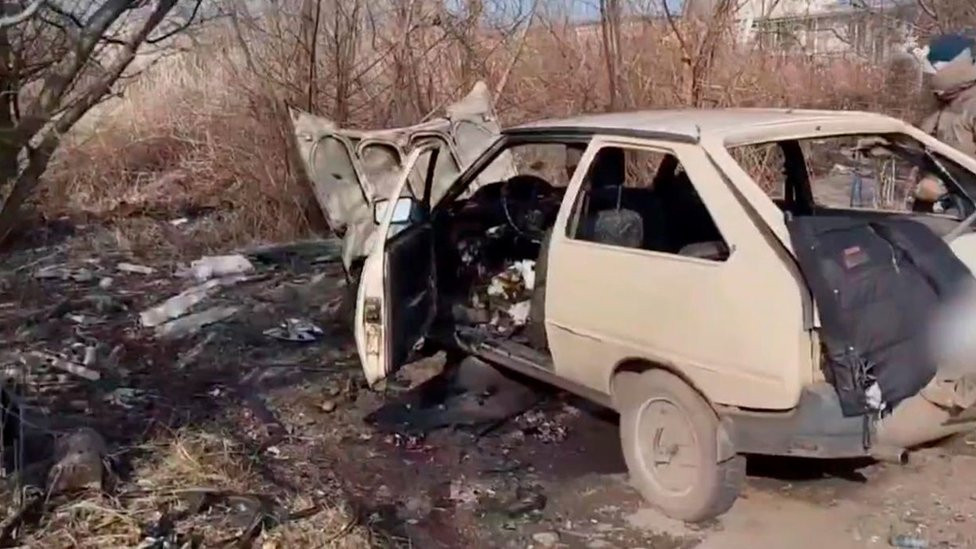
{"x": 665, "y": 266}
{"x": 397, "y": 293}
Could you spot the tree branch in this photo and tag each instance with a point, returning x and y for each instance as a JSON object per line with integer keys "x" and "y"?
{"x": 29, "y": 11}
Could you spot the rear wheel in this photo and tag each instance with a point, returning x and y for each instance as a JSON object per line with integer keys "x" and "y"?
{"x": 669, "y": 435}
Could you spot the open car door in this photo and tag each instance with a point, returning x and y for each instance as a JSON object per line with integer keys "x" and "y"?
{"x": 397, "y": 297}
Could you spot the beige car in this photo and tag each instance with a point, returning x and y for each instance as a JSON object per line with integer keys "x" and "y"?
{"x": 732, "y": 282}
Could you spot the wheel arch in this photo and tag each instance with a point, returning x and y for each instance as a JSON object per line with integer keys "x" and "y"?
{"x": 639, "y": 365}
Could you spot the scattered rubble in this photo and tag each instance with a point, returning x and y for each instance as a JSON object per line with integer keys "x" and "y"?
{"x": 546, "y": 539}
{"x": 208, "y": 267}
{"x": 133, "y": 268}
{"x": 295, "y": 329}
{"x": 192, "y": 323}
{"x": 64, "y": 273}
{"x": 179, "y": 304}
{"x": 80, "y": 370}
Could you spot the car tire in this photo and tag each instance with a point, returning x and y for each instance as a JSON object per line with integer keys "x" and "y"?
{"x": 669, "y": 435}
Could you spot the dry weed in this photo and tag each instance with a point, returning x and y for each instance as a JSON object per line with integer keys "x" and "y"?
{"x": 165, "y": 480}
{"x": 201, "y": 131}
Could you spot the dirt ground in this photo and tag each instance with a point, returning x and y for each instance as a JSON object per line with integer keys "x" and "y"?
{"x": 298, "y": 413}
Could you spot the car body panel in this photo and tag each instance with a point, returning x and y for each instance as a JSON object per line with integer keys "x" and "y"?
{"x": 374, "y": 310}
{"x": 657, "y": 306}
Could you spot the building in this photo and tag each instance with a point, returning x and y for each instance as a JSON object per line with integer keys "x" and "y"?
{"x": 870, "y": 29}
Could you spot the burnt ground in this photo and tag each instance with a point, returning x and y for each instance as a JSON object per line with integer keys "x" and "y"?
{"x": 300, "y": 411}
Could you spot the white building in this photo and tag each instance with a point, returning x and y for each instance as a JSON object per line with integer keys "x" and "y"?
{"x": 870, "y": 29}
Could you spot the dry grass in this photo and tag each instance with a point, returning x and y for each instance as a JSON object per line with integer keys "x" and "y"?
{"x": 184, "y": 139}
{"x": 199, "y": 131}
{"x": 190, "y": 460}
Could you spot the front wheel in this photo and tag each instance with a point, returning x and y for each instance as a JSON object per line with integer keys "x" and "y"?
{"x": 669, "y": 435}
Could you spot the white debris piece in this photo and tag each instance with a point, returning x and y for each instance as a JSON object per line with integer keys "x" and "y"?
{"x": 66, "y": 365}
{"x": 64, "y": 273}
{"x": 177, "y": 305}
{"x": 526, "y": 268}
{"x": 134, "y": 268}
{"x": 517, "y": 278}
{"x": 213, "y": 266}
{"x": 496, "y": 287}
{"x": 520, "y": 312}
{"x": 192, "y": 323}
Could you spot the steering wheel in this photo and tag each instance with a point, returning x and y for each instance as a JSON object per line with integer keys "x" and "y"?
{"x": 521, "y": 198}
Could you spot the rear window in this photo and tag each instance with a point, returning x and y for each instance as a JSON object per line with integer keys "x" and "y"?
{"x": 870, "y": 171}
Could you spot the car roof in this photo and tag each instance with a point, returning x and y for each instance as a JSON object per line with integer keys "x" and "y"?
{"x": 730, "y": 125}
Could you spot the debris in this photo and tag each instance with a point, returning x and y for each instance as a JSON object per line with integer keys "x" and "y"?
{"x": 124, "y": 397}
{"x": 105, "y": 283}
{"x": 90, "y": 356}
{"x": 328, "y": 406}
{"x": 78, "y": 462}
{"x": 546, "y": 539}
{"x": 295, "y": 329}
{"x": 537, "y": 423}
{"x": 527, "y": 500}
{"x": 193, "y": 353}
{"x": 463, "y": 492}
{"x": 250, "y": 513}
{"x": 179, "y": 221}
{"x": 66, "y": 365}
{"x": 133, "y": 268}
{"x": 64, "y": 273}
{"x": 216, "y": 266}
{"x": 177, "y": 305}
{"x": 519, "y": 312}
{"x": 311, "y": 251}
{"x": 192, "y": 323}
{"x": 478, "y": 396}
{"x": 908, "y": 542}
{"x": 514, "y": 281}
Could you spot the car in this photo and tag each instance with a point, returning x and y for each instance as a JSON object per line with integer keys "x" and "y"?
{"x": 732, "y": 282}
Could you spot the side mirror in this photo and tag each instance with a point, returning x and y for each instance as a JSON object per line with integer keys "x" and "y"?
{"x": 404, "y": 210}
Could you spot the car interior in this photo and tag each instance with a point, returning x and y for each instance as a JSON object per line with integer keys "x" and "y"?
{"x": 480, "y": 242}
{"x": 956, "y": 204}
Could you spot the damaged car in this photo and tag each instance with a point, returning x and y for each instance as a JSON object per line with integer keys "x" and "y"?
{"x": 732, "y": 282}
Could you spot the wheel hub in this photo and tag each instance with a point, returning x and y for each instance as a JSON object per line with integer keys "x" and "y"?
{"x": 669, "y": 449}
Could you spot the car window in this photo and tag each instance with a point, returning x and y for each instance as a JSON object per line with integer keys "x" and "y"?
{"x": 644, "y": 199}
{"x": 381, "y": 165}
{"x": 765, "y": 164}
{"x": 552, "y": 161}
{"x": 846, "y": 172}
{"x": 884, "y": 173}
{"x": 446, "y": 169}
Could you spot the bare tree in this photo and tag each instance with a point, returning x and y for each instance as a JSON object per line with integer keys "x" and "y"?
{"x": 700, "y": 42}
{"x": 610, "y": 34}
{"x": 57, "y": 61}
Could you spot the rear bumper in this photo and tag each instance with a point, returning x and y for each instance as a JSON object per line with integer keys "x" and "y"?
{"x": 817, "y": 428}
